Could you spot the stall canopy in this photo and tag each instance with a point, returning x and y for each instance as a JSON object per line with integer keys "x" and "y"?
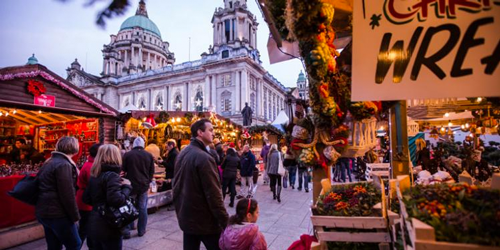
{"x": 282, "y": 118}
{"x": 128, "y": 108}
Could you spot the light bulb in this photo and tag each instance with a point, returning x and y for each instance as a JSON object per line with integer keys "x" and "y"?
{"x": 447, "y": 115}
{"x": 467, "y": 125}
{"x": 6, "y": 114}
{"x": 14, "y": 112}
{"x": 1, "y": 113}
{"x": 39, "y": 111}
{"x": 442, "y": 128}
{"x": 381, "y": 128}
{"x": 463, "y": 126}
{"x": 178, "y": 119}
{"x": 479, "y": 99}
{"x": 450, "y": 124}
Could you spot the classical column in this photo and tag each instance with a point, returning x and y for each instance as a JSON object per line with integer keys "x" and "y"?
{"x": 213, "y": 88}
{"x": 260, "y": 97}
{"x": 186, "y": 98}
{"x": 206, "y": 96}
{"x": 165, "y": 97}
{"x": 133, "y": 98}
{"x": 237, "y": 96}
{"x": 245, "y": 93}
{"x": 148, "y": 61}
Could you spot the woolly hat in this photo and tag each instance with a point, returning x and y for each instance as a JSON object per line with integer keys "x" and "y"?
{"x": 231, "y": 144}
{"x": 138, "y": 142}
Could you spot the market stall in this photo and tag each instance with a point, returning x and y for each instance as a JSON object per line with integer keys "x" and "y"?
{"x": 159, "y": 126}
{"x": 37, "y": 107}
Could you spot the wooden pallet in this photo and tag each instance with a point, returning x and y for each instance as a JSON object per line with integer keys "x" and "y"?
{"x": 422, "y": 236}
{"x": 332, "y": 228}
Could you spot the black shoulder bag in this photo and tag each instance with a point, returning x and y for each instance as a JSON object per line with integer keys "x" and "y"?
{"x": 26, "y": 190}
{"x": 118, "y": 217}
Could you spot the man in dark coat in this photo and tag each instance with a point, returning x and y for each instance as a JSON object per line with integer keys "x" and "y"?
{"x": 197, "y": 193}
{"x": 139, "y": 167}
{"x": 247, "y": 168}
{"x": 169, "y": 161}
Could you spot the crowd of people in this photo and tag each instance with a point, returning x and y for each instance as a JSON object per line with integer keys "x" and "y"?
{"x": 201, "y": 174}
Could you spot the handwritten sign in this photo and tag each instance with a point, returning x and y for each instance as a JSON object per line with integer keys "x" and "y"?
{"x": 45, "y": 100}
{"x": 417, "y": 49}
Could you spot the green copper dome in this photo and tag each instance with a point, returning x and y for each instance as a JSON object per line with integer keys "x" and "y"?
{"x": 32, "y": 60}
{"x": 142, "y": 22}
{"x": 302, "y": 78}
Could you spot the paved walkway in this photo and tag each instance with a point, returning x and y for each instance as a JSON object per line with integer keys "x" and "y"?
{"x": 281, "y": 223}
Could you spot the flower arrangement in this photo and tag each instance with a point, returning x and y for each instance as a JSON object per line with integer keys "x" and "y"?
{"x": 349, "y": 200}
{"x": 458, "y": 213}
{"x": 307, "y": 157}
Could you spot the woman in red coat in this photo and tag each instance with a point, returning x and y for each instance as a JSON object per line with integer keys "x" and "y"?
{"x": 82, "y": 183}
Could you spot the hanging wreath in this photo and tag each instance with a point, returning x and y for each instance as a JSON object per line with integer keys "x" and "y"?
{"x": 36, "y": 88}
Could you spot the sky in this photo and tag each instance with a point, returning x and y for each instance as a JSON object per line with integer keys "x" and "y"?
{"x": 60, "y": 31}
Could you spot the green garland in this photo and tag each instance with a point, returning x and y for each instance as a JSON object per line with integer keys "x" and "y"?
{"x": 260, "y": 128}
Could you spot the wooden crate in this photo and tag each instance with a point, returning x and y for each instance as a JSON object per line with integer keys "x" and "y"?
{"x": 381, "y": 169}
{"x": 331, "y": 228}
{"x": 423, "y": 237}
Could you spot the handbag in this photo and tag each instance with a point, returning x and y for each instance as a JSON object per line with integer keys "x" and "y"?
{"x": 118, "y": 217}
{"x": 26, "y": 190}
{"x": 281, "y": 169}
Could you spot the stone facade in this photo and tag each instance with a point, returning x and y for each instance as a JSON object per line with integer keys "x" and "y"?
{"x": 223, "y": 80}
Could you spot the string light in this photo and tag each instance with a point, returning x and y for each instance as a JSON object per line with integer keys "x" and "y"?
{"x": 1, "y": 113}
{"x": 6, "y": 114}
{"x": 14, "y": 112}
{"x": 450, "y": 124}
{"x": 479, "y": 99}
{"x": 447, "y": 115}
{"x": 39, "y": 111}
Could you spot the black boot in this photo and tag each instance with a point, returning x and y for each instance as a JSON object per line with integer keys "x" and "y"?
{"x": 273, "y": 189}
{"x": 231, "y": 204}
{"x": 279, "y": 194}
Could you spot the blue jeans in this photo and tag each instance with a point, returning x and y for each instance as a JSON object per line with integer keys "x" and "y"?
{"x": 141, "y": 201}
{"x": 303, "y": 175}
{"x": 344, "y": 165}
{"x": 292, "y": 172}
{"x": 59, "y": 232}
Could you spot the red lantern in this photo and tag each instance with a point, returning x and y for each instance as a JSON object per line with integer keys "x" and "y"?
{"x": 150, "y": 120}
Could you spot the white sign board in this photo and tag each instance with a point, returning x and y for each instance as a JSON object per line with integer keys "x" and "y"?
{"x": 418, "y": 49}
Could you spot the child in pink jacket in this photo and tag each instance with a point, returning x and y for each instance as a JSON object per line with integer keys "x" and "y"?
{"x": 242, "y": 233}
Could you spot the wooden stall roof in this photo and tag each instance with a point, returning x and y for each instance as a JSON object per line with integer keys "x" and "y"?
{"x": 69, "y": 98}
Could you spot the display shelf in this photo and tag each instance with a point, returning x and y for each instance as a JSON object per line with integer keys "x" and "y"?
{"x": 57, "y": 130}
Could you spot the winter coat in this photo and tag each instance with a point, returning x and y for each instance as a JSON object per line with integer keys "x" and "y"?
{"x": 139, "y": 166}
{"x": 242, "y": 237}
{"x": 273, "y": 162}
{"x": 169, "y": 163}
{"x": 247, "y": 164}
{"x": 197, "y": 193}
{"x": 215, "y": 155}
{"x": 230, "y": 166}
{"x": 264, "y": 152}
{"x": 220, "y": 152}
{"x": 82, "y": 183}
{"x": 56, "y": 182}
{"x": 106, "y": 189}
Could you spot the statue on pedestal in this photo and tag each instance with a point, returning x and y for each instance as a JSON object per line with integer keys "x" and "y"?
{"x": 247, "y": 115}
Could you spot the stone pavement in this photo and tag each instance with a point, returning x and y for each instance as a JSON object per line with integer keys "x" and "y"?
{"x": 281, "y": 223}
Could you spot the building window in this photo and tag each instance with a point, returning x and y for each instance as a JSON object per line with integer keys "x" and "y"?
{"x": 198, "y": 101}
{"x": 230, "y": 4}
{"x": 265, "y": 103}
{"x": 226, "y": 80}
{"x": 226, "y": 103}
{"x": 253, "y": 83}
{"x": 225, "y": 54}
{"x": 233, "y": 28}
{"x": 227, "y": 29}
{"x": 126, "y": 103}
{"x": 142, "y": 104}
{"x": 253, "y": 103}
{"x": 159, "y": 102}
{"x": 178, "y": 102}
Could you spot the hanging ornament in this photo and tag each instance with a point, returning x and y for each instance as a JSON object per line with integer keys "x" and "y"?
{"x": 36, "y": 88}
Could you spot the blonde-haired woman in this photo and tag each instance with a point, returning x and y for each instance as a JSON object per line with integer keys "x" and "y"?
{"x": 106, "y": 187}
{"x": 272, "y": 166}
{"x": 56, "y": 207}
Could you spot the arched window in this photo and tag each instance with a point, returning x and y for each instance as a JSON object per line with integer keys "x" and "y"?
{"x": 159, "y": 102}
{"x": 142, "y": 104}
{"x": 178, "y": 102}
{"x": 126, "y": 102}
{"x": 226, "y": 103}
{"x": 198, "y": 100}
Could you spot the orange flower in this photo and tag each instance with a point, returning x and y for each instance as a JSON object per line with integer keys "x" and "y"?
{"x": 359, "y": 189}
{"x": 341, "y": 205}
{"x": 335, "y": 196}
